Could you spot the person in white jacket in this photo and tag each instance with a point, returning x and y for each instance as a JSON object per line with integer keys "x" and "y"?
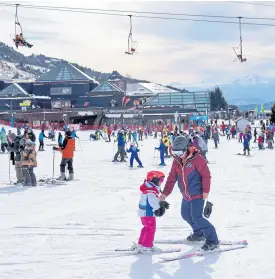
{"x": 149, "y": 208}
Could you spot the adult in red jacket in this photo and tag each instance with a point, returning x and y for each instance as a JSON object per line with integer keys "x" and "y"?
{"x": 191, "y": 172}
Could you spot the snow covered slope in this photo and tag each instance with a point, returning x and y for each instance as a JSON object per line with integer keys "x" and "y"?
{"x": 69, "y": 232}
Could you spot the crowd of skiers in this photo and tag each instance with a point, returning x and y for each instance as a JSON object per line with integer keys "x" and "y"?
{"x": 23, "y": 155}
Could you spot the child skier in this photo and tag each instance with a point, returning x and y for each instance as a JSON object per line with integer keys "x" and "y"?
{"x": 261, "y": 141}
{"x": 29, "y": 162}
{"x": 41, "y": 140}
{"x": 149, "y": 208}
{"x": 134, "y": 155}
{"x": 161, "y": 149}
{"x": 246, "y": 142}
{"x": 228, "y": 133}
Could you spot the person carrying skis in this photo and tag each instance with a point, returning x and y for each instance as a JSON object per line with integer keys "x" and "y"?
{"x": 67, "y": 150}
{"x": 121, "y": 147}
{"x": 246, "y": 142}
{"x": 29, "y": 162}
{"x": 191, "y": 172}
{"x": 149, "y": 208}
{"x": 161, "y": 149}
{"x": 134, "y": 155}
{"x": 41, "y": 140}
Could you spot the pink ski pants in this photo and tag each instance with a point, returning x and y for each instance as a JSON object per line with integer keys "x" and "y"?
{"x": 147, "y": 233}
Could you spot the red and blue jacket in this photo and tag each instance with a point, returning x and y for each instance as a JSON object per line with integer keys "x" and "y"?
{"x": 192, "y": 174}
{"x": 149, "y": 201}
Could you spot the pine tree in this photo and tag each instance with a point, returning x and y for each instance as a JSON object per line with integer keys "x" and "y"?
{"x": 272, "y": 117}
{"x": 217, "y": 100}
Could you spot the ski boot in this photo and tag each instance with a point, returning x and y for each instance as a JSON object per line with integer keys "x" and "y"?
{"x": 195, "y": 238}
{"x": 62, "y": 176}
{"x": 148, "y": 250}
{"x": 140, "y": 166}
{"x": 209, "y": 246}
{"x": 71, "y": 177}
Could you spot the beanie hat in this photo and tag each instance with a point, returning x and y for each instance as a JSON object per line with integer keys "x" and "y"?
{"x": 68, "y": 133}
{"x": 180, "y": 143}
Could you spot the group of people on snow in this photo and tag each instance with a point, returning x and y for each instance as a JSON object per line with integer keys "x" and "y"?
{"x": 22, "y": 149}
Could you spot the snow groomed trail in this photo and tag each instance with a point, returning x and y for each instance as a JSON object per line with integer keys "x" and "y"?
{"x": 70, "y": 231}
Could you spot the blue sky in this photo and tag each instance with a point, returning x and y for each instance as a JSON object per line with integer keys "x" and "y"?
{"x": 169, "y": 51}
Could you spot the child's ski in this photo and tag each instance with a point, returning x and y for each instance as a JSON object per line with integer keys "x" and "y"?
{"x": 185, "y": 241}
{"x": 133, "y": 251}
{"x": 201, "y": 253}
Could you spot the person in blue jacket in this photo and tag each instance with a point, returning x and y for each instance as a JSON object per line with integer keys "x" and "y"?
{"x": 246, "y": 142}
{"x": 73, "y": 134}
{"x": 121, "y": 147}
{"x": 134, "y": 155}
{"x": 134, "y": 135}
{"x": 3, "y": 130}
{"x": 41, "y": 140}
{"x": 161, "y": 149}
{"x": 60, "y": 139}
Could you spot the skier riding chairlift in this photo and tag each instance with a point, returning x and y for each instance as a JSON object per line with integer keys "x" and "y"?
{"x": 19, "y": 40}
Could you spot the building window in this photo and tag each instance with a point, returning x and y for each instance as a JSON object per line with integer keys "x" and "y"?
{"x": 60, "y": 91}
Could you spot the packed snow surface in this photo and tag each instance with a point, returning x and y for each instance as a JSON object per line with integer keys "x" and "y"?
{"x": 69, "y": 232}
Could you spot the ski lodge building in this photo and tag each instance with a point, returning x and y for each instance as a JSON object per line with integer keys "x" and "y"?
{"x": 66, "y": 90}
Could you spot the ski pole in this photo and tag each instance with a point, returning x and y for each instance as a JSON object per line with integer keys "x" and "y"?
{"x": 9, "y": 168}
{"x": 80, "y": 144}
{"x": 53, "y": 165}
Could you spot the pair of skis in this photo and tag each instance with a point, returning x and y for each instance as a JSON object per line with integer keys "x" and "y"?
{"x": 176, "y": 253}
{"x": 225, "y": 246}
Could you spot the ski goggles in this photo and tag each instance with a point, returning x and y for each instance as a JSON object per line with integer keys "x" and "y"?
{"x": 178, "y": 152}
{"x": 161, "y": 179}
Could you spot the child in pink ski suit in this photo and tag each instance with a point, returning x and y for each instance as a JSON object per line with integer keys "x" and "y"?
{"x": 149, "y": 208}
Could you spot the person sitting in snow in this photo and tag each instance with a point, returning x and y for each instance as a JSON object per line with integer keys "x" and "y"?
{"x": 134, "y": 155}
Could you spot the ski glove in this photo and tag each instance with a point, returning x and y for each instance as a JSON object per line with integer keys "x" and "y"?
{"x": 164, "y": 204}
{"x": 207, "y": 209}
{"x": 160, "y": 212}
{"x": 55, "y": 148}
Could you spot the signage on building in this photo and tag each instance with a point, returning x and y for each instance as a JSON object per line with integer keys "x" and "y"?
{"x": 199, "y": 117}
{"x": 61, "y": 104}
{"x": 26, "y": 103}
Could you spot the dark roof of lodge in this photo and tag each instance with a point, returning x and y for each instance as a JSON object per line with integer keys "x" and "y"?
{"x": 15, "y": 91}
{"x": 65, "y": 72}
{"x": 105, "y": 87}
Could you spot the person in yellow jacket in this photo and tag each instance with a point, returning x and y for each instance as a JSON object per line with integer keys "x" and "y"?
{"x": 166, "y": 143}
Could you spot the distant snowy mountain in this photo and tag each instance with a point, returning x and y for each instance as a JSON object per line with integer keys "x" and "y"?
{"x": 242, "y": 91}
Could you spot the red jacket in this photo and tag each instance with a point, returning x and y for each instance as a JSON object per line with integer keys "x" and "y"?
{"x": 191, "y": 173}
{"x": 109, "y": 131}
